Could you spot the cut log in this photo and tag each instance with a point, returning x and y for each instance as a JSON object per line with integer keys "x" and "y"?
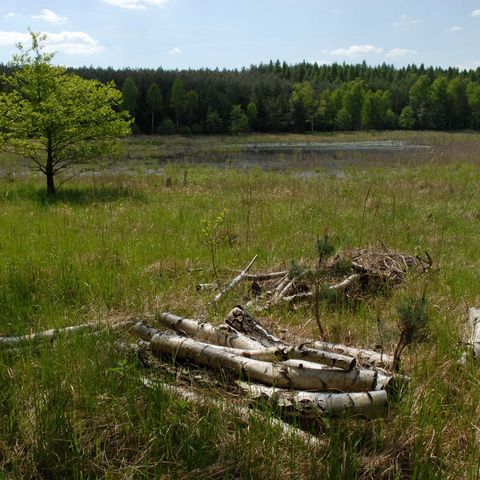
{"x": 244, "y": 413}
{"x": 224, "y": 335}
{"x": 314, "y": 404}
{"x": 235, "y": 281}
{"x": 260, "y": 277}
{"x": 370, "y": 357}
{"x": 270, "y": 374}
{"x": 205, "y": 286}
{"x": 474, "y": 320}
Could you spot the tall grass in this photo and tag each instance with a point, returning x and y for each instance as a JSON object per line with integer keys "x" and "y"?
{"x": 126, "y": 244}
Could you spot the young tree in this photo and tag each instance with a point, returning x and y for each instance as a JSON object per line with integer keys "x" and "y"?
{"x": 407, "y": 118}
{"x": 252, "y": 114}
{"x": 54, "y": 119}
{"x": 191, "y": 105}
{"x": 238, "y": 120}
{"x": 154, "y": 102}
{"x": 213, "y": 122}
{"x": 130, "y": 96}
{"x": 177, "y": 100}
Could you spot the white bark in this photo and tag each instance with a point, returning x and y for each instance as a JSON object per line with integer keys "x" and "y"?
{"x": 270, "y": 374}
{"x": 224, "y": 335}
{"x": 235, "y": 281}
{"x": 53, "y": 333}
{"x": 369, "y": 357}
{"x": 315, "y": 404}
{"x": 244, "y": 413}
{"x": 474, "y": 319}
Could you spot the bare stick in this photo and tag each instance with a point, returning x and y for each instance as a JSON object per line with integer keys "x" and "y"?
{"x": 474, "y": 319}
{"x": 235, "y": 281}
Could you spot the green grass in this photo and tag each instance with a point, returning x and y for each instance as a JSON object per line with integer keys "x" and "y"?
{"x": 125, "y": 243}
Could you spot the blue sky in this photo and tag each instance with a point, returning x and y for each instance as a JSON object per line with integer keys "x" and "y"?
{"x": 228, "y": 33}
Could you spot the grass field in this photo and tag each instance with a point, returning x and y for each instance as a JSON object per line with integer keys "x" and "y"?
{"x": 122, "y": 242}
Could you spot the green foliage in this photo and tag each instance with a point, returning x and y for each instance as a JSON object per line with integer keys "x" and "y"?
{"x": 55, "y": 119}
{"x": 238, "y": 120}
{"x": 191, "y": 104}
{"x": 413, "y": 320}
{"x": 154, "y": 102}
{"x": 325, "y": 247}
{"x": 130, "y": 96}
{"x": 252, "y": 114}
{"x": 167, "y": 127}
{"x": 407, "y": 118}
{"x": 178, "y": 99}
{"x": 213, "y": 122}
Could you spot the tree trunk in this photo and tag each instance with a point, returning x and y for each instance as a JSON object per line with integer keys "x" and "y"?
{"x": 51, "y": 190}
{"x": 225, "y": 336}
{"x": 315, "y": 404}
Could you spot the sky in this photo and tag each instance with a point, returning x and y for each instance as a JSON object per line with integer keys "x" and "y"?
{"x": 179, "y": 34}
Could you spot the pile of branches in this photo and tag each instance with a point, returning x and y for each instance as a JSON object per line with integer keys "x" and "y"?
{"x": 305, "y": 381}
{"x": 350, "y": 275}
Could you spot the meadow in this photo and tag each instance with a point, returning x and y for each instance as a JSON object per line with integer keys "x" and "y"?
{"x": 123, "y": 241}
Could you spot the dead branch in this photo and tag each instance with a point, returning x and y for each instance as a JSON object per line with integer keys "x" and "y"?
{"x": 235, "y": 281}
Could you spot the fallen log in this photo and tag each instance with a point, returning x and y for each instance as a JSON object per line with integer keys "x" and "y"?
{"x": 224, "y": 335}
{"x": 281, "y": 376}
{"x": 205, "y": 286}
{"x": 247, "y": 325}
{"x": 315, "y": 404}
{"x": 474, "y": 319}
{"x": 235, "y": 281}
{"x": 370, "y": 357}
{"x": 52, "y": 334}
{"x": 229, "y": 407}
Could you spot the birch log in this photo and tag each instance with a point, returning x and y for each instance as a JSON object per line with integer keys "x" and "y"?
{"x": 270, "y": 374}
{"x": 370, "y": 357}
{"x": 314, "y": 404}
{"x": 474, "y": 319}
{"x": 53, "y": 333}
{"x": 247, "y": 325}
{"x": 224, "y": 335}
{"x": 244, "y": 413}
{"x": 235, "y": 281}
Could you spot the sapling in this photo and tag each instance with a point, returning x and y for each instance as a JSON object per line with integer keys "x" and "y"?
{"x": 413, "y": 320}
{"x": 211, "y": 229}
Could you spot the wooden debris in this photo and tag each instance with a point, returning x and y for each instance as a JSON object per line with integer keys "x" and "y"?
{"x": 315, "y": 404}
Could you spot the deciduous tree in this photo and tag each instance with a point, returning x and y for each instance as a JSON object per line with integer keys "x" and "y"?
{"x": 55, "y": 119}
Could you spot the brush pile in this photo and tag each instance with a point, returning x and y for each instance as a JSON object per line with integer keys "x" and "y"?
{"x": 348, "y": 275}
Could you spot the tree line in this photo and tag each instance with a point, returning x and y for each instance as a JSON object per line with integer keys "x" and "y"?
{"x": 278, "y": 97}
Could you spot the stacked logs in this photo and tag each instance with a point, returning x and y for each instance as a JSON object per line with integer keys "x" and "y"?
{"x": 305, "y": 380}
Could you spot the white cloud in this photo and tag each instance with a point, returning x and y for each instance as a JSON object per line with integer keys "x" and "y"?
{"x": 476, "y": 13}
{"x": 405, "y": 20}
{"x": 454, "y": 29}
{"x": 469, "y": 66}
{"x": 9, "y": 15}
{"x": 70, "y": 43}
{"x": 356, "y": 51}
{"x": 12, "y": 38}
{"x": 175, "y": 51}
{"x": 136, "y": 4}
{"x": 50, "y": 16}
{"x": 400, "y": 52}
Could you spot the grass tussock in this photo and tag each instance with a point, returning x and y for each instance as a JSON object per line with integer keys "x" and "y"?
{"x": 123, "y": 242}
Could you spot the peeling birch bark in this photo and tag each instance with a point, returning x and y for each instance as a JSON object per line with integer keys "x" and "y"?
{"x": 235, "y": 281}
{"x": 281, "y": 376}
{"x": 370, "y": 357}
{"x": 313, "y": 404}
{"x": 223, "y": 335}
